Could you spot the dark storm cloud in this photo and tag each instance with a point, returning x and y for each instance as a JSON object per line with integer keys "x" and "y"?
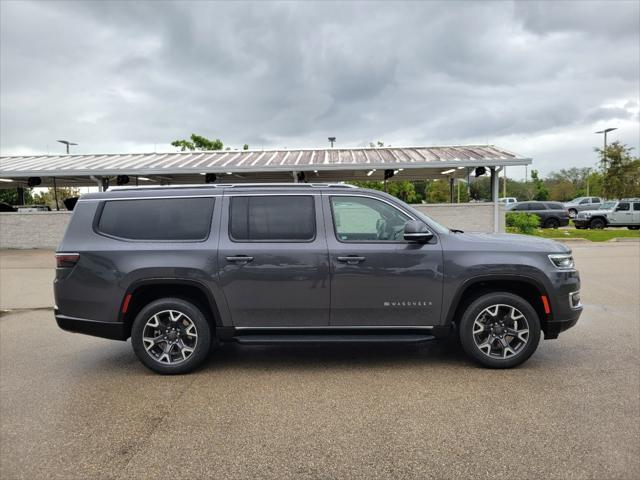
{"x": 118, "y": 76}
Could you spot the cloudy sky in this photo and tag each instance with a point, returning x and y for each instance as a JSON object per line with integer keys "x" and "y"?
{"x": 535, "y": 78}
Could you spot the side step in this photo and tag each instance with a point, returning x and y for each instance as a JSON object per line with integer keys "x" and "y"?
{"x": 275, "y": 339}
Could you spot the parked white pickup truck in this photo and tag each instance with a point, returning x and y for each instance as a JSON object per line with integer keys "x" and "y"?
{"x": 615, "y": 213}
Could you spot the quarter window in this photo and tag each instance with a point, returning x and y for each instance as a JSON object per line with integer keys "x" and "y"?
{"x": 362, "y": 219}
{"x": 272, "y": 218}
{"x": 165, "y": 219}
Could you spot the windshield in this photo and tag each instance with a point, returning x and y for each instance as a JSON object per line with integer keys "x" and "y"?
{"x": 607, "y": 206}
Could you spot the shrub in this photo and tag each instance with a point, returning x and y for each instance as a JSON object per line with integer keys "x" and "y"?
{"x": 523, "y": 222}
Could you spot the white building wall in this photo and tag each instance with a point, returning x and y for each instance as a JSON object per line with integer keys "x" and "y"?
{"x": 45, "y": 229}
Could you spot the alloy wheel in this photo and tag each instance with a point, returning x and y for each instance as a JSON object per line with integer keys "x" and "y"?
{"x": 500, "y": 331}
{"x": 170, "y": 337}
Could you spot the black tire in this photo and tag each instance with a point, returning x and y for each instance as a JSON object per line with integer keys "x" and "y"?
{"x": 633, "y": 227}
{"x": 474, "y": 311}
{"x": 597, "y": 223}
{"x": 552, "y": 223}
{"x": 194, "y": 316}
{"x": 573, "y": 212}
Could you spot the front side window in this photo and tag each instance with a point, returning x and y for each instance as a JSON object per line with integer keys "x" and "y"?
{"x": 595, "y": 200}
{"x": 363, "y": 219}
{"x": 165, "y": 219}
{"x": 623, "y": 207}
{"x": 285, "y": 218}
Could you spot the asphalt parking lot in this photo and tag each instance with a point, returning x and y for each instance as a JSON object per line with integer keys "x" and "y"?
{"x": 74, "y": 406}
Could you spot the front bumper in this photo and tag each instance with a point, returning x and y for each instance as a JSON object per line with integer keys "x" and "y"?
{"x": 112, "y": 330}
{"x": 565, "y": 303}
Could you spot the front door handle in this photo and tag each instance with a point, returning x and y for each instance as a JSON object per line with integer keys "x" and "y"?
{"x": 351, "y": 259}
{"x": 239, "y": 259}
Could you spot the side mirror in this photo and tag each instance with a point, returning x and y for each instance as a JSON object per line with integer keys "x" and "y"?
{"x": 418, "y": 232}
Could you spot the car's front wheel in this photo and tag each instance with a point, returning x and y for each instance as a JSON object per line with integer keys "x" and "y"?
{"x": 633, "y": 227}
{"x": 552, "y": 223}
{"x": 171, "y": 336}
{"x": 499, "y": 330}
{"x": 597, "y": 223}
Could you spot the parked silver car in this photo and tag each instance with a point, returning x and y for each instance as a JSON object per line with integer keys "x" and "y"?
{"x": 582, "y": 203}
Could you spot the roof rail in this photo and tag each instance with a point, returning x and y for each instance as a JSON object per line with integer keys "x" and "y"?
{"x": 234, "y": 185}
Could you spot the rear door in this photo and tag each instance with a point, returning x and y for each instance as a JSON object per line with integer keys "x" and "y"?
{"x": 636, "y": 213}
{"x": 378, "y": 278}
{"x": 274, "y": 260}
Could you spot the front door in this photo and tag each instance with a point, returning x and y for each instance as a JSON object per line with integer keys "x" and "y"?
{"x": 622, "y": 215}
{"x": 378, "y": 278}
{"x": 274, "y": 260}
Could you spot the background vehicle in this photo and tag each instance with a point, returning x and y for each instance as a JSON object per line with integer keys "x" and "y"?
{"x": 551, "y": 214}
{"x": 614, "y": 213}
{"x": 582, "y": 203}
{"x": 179, "y": 268}
{"x": 508, "y": 200}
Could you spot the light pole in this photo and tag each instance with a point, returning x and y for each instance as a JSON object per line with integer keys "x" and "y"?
{"x": 67, "y": 143}
{"x": 604, "y": 151}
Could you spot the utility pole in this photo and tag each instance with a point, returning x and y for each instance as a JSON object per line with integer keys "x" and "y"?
{"x": 67, "y": 143}
{"x": 604, "y": 150}
{"x": 504, "y": 183}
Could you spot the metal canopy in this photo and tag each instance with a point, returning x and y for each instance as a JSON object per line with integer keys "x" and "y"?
{"x": 318, "y": 165}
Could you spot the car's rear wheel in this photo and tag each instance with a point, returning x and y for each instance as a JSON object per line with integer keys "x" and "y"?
{"x": 171, "y": 336}
{"x": 552, "y": 223}
{"x": 499, "y": 330}
{"x": 597, "y": 223}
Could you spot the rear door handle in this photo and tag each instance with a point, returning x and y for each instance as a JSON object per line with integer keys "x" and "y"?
{"x": 239, "y": 259}
{"x": 351, "y": 259}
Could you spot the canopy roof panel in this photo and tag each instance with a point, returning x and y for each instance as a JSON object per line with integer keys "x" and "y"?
{"x": 328, "y": 164}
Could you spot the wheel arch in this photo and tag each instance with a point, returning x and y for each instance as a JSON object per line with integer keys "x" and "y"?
{"x": 143, "y": 292}
{"x": 531, "y": 289}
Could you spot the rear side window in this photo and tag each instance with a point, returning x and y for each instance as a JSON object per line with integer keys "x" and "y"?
{"x": 285, "y": 218}
{"x": 636, "y": 206}
{"x": 595, "y": 200}
{"x": 555, "y": 206}
{"x": 165, "y": 219}
{"x": 537, "y": 206}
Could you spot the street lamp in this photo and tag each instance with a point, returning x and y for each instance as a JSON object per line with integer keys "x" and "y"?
{"x": 332, "y": 140}
{"x": 67, "y": 143}
{"x": 604, "y": 151}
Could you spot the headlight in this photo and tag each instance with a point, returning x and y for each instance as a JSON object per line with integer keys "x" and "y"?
{"x": 563, "y": 261}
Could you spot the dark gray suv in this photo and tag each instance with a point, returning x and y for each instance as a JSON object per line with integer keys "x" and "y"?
{"x": 180, "y": 269}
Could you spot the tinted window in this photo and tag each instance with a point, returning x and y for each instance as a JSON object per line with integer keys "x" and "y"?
{"x": 520, "y": 207}
{"x": 157, "y": 219}
{"x": 595, "y": 200}
{"x": 555, "y": 206}
{"x": 367, "y": 219}
{"x": 636, "y": 206}
{"x": 623, "y": 206}
{"x": 584, "y": 202}
{"x": 537, "y": 206}
{"x": 272, "y": 218}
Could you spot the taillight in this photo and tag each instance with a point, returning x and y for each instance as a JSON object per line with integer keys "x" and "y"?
{"x": 66, "y": 260}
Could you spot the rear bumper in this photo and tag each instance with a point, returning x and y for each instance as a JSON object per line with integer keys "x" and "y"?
{"x": 112, "y": 330}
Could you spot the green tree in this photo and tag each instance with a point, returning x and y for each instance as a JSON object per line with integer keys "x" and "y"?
{"x": 10, "y": 196}
{"x": 438, "y": 192}
{"x": 198, "y": 142}
{"x": 48, "y": 197}
{"x": 621, "y": 172}
{"x": 539, "y": 188}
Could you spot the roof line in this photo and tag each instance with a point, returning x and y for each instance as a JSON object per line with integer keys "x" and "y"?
{"x": 306, "y": 149}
